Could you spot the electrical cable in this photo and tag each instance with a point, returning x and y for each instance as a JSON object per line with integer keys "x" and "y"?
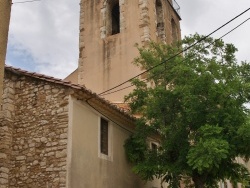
{"x": 129, "y": 80}
{"x": 162, "y": 72}
{"x": 145, "y": 80}
{"x": 21, "y": 2}
{"x": 122, "y": 127}
{"x": 102, "y": 94}
{"x": 131, "y": 85}
{"x": 119, "y": 125}
{"x": 87, "y": 101}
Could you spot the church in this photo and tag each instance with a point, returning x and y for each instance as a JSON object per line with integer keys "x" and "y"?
{"x": 69, "y": 133}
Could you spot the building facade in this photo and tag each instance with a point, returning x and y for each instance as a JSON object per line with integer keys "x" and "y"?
{"x": 57, "y": 134}
{"x": 109, "y": 31}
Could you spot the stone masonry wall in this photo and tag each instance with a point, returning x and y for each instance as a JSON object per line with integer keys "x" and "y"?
{"x": 144, "y": 21}
{"x": 6, "y": 130}
{"x": 39, "y": 138}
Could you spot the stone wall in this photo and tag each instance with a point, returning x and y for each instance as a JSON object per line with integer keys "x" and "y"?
{"x": 38, "y": 151}
{"x": 6, "y": 130}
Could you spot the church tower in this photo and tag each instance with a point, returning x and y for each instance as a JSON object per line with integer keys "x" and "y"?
{"x": 109, "y": 30}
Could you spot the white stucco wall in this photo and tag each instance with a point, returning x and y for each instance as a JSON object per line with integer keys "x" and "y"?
{"x": 86, "y": 169}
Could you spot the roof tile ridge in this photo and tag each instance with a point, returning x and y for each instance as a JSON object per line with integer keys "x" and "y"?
{"x": 44, "y": 77}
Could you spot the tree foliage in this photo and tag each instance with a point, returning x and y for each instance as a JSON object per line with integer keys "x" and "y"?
{"x": 195, "y": 106}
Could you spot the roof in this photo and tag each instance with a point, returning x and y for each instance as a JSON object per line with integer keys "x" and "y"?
{"x": 98, "y": 103}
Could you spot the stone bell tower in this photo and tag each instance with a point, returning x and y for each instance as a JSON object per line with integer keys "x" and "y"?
{"x": 109, "y": 30}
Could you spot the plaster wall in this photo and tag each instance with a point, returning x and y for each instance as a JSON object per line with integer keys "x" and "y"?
{"x": 86, "y": 167}
{"x": 106, "y": 60}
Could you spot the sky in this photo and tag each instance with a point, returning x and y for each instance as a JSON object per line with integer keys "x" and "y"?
{"x": 43, "y": 35}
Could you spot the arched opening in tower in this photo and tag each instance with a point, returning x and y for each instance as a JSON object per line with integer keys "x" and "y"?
{"x": 174, "y": 31}
{"x": 115, "y": 19}
{"x": 159, "y": 19}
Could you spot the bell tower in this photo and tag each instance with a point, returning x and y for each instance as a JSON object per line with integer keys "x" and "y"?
{"x": 109, "y": 30}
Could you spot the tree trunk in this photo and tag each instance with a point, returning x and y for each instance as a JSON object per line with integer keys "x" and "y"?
{"x": 199, "y": 181}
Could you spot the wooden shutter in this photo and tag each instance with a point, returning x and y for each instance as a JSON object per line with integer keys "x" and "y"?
{"x": 104, "y": 137}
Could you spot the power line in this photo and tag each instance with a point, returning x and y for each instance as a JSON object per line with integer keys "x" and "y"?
{"x": 116, "y": 123}
{"x": 191, "y": 46}
{"x": 87, "y": 101}
{"x": 21, "y": 2}
{"x": 118, "y": 89}
{"x": 162, "y": 72}
{"x": 145, "y": 80}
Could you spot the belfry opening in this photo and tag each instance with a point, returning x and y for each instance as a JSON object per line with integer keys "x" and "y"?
{"x": 160, "y": 20}
{"x": 115, "y": 14}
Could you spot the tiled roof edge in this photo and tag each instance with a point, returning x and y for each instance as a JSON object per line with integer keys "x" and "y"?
{"x": 67, "y": 84}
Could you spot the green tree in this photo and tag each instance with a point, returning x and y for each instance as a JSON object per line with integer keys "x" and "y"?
{"x": 195, "y": 106}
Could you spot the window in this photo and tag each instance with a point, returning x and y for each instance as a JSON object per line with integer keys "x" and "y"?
{"x": 154, "y": 146}
{"x": 105, "y": 140}
{"x": 104, "y": 135}
{"x": 116, "y": 19}
{"x": 113, "y": 17}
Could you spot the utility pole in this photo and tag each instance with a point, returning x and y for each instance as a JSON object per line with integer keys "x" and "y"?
{"x": 5, "y": 9}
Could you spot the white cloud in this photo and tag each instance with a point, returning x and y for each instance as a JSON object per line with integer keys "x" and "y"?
{"x": 204, "y": 16}
{"x": 48, "y": 32}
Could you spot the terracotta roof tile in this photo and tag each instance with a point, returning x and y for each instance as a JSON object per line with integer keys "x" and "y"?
{"x": 121, "y": 108}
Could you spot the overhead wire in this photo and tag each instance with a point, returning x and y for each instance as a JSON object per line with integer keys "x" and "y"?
{"x": 29, "y": 1}
{"x": 145, "y": 80}
{"x": 187, "y": 48}
{"x": 116, "y": 123}
{"x": 87, "y": 101}
{"x": 163, "y": 62}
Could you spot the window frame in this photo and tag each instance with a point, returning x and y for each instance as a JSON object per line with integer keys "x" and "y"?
{"x": 110, "y": 17}
{"x": 109, "y": 155}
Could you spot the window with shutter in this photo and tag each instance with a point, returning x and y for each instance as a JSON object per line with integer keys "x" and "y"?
{"x": 105, "y": 139}
{"x": 104, "y": 134}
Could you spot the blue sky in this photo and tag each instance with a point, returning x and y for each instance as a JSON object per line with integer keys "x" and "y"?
{"x": 43, "y": 35}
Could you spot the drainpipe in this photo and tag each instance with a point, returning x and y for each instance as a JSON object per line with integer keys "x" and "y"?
{"x": 5, "y": 9}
